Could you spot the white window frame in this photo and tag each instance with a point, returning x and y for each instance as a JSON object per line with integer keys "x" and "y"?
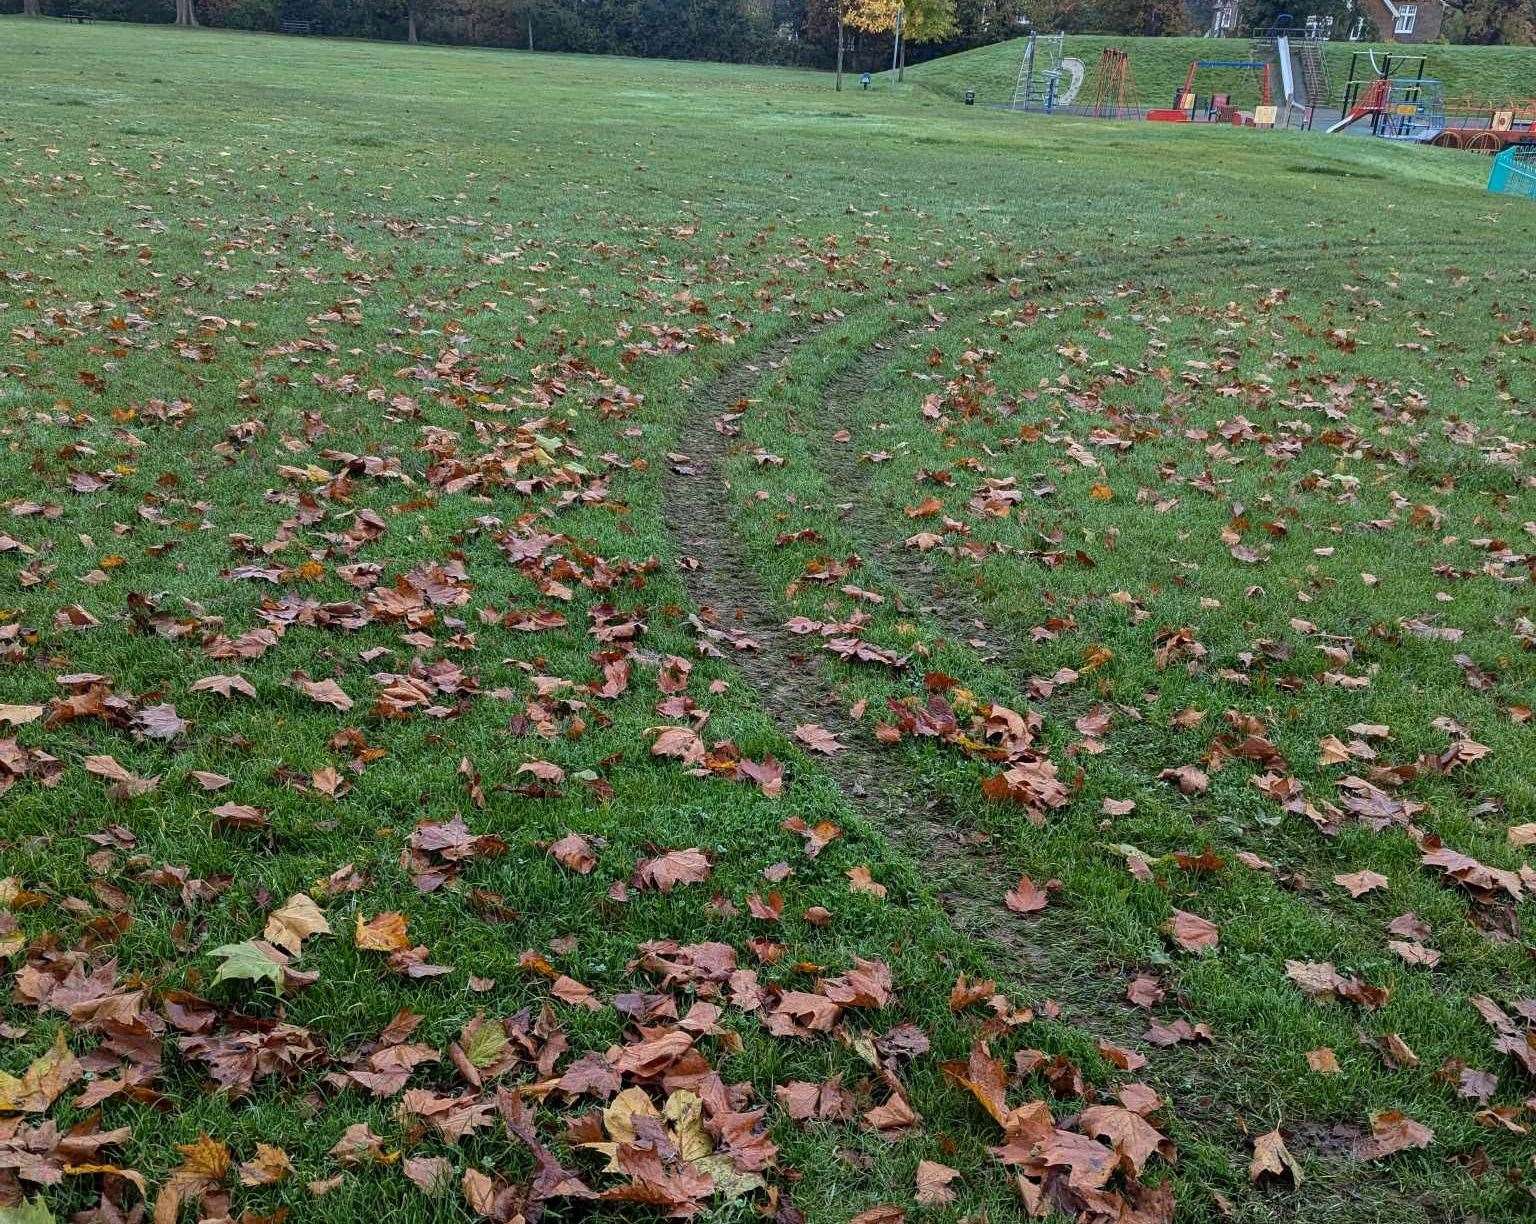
{"x": 1407, "y": 16}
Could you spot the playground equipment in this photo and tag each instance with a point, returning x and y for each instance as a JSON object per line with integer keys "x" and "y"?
{"x": 1186, "y": 103}
{"x": 1114, "y": 90}
{"x": 1411, "y": 109}
{"x": 1298, "y": 53}
{"x": 1398, "y": 99}
{"x": 1046, "y": 80}
{"x": 1514, "y": 171}
{"x": 1485, "y": 127}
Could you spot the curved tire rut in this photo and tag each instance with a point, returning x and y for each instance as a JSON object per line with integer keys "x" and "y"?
{"x": 790, "y": 682}
{"x": 965, "y": 869}
{"x": 918, "y": 583}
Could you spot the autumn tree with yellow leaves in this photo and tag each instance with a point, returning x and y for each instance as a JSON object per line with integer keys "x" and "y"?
{"x": 905, "y": 20}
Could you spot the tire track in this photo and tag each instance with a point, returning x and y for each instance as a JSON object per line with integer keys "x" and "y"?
{"x": 970, "y": 874}
{"x": 967, "y": 871}
{"x": 1062, "y": 951}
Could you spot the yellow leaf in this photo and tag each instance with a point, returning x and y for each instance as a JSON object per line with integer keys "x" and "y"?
{"x": 133, "y": 1175}
{"x": 270, "y": 1166}
{"x": 206, "y": 1158}
{"x": 42, "y": 1082}
{"x": 298, "y": 919}
{"x": 686, "y": 1113}
{"x": 385, "y": 933}
{"x": 618, "y": 1117}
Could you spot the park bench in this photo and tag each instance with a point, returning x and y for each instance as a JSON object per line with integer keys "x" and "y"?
{"x": 296, "y": 27}
{"x": 78, "y": 16}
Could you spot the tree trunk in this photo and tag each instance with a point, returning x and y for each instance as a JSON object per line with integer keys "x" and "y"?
{"x": 901, "y": 70}
{"x": 839, "y": 45}
{"x": 185, "y": 16}
{"x": 29, "y": 8}
{"x": 410, "y": 22}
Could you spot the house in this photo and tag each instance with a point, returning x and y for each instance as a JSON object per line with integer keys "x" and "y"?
{"x": 1405, "y": 21}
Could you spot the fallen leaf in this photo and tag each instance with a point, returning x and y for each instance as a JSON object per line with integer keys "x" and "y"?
{"x": 1393, "y": 1131}
{"x": 1025, "y": 897}
{"x": 933, "y": 1189}
{"x": 384, "y": 933}
{"x": 298, "y": 919}
{"x": 1358, "y": 883}
{"x": 1271, "y": 1158}
{"x": 1192, "y": 932}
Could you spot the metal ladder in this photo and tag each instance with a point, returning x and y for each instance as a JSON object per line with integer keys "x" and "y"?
{"x": 1314, "y": 70}
{"x": 1039, "y": 72}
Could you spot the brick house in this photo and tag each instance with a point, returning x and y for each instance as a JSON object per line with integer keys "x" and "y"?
{"x": 1405, "y": 21}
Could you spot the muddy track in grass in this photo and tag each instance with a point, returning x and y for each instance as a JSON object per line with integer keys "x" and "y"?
{"x": 788, "y": 679}
{"x": 967, "y": 870}
{"x": 1063, "y": 952}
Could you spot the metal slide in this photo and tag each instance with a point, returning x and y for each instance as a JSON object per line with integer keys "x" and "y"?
{"x": 1287, "y": 77}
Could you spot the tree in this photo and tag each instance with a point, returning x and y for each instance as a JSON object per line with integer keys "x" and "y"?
{"x": 842, "y": 36}
{"x": 906, "y": 21}
{"x": 185, "y": 15}
{"x": 30, "y": 8}
{"x": 1150, "y": 18}
{"x": 1511, "y": 22}
{"x": 1262, "y": 14}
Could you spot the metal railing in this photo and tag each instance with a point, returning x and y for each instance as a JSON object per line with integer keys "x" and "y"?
{"x": 1514, "y": 171}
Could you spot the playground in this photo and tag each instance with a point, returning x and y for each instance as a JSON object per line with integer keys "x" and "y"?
{"x": 614, "y": 639}
{"x": 1284, "y": 81}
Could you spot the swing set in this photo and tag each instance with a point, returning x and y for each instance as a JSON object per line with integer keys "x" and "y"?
{"x": 1218, "y": 107}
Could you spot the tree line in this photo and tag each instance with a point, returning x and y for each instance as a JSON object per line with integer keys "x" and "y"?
{"x": 793, "y": 32}
{"x": 859, "y": 35}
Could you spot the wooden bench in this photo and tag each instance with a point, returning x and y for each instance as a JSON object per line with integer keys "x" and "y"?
{"x": 78, "y": 16}
{"x": 296, "y": 27}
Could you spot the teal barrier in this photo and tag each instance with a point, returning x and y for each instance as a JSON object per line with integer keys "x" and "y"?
{"x": 1514, "y": 171}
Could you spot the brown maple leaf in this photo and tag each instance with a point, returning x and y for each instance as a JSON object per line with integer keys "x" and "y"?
{"x": 1026, "y": 898}
{"x": 384, "y": 933}
{"x": 1271, "y": 1158}
{"x": 1192, "y": 932}
{"x": 667, "y": 871}
{"x": 1392, "y": 1131}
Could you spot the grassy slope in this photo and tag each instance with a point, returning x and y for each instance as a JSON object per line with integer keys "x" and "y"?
{"x": 1159, "y": 65}
{"x": 523, "y": 203}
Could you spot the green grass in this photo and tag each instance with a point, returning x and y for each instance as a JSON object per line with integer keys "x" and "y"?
{"x": 345, "y": 249}
{"x": 1494, "y": 74}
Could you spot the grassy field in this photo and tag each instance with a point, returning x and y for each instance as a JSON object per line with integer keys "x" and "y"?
{"x": 588, "y": 637}
{"x": 1492, "y": 74}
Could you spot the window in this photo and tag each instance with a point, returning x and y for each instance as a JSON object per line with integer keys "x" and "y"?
{"x": 1407, "y": 14}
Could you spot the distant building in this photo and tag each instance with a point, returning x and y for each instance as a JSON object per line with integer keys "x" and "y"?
{"x": 1223, "y": 19}
{"x": 1400, "y": 21}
